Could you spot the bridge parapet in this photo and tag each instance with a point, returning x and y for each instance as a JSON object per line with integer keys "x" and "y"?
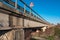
{"x": 25, "y": 20}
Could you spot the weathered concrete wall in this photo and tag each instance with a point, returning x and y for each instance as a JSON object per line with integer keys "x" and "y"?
{"x": 17, "y": 21}
{"x": 30, "y": 23}
{"x": 14, "y": 21}
{"x": 4, "y": 19}
{"x": 26, "y": 22}
{"x": 7, "y": 36}
{"x": 13, "y": 35}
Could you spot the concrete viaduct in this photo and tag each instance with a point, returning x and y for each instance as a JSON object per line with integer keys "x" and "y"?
{"x": 17, "y": 25}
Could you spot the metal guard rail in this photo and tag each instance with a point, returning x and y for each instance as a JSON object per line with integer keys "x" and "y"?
{"x": 22, "y": 9}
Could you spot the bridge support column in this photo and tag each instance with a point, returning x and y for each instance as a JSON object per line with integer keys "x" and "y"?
{"x": 22, "y": 34}
{"x": 18, "y": 34}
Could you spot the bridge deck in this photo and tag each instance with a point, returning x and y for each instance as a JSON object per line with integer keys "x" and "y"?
{"x": 11, "y": 11}
{"x": 14, "y": 12}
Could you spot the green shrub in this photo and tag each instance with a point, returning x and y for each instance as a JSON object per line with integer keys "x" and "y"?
{"x": 33, "y": 39}
{"x": 50, "y": 38}
{"x": 57, "y": 32}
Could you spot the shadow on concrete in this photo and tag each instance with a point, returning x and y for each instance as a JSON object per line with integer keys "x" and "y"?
{"x": 2, "y": 32}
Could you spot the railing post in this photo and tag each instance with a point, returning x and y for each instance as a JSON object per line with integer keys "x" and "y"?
{"x": 24, "y": 9}
{"x": 16, "y": 4}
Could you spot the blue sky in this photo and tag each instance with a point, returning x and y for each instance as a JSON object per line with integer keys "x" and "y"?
{"x": 48, "y": 9}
